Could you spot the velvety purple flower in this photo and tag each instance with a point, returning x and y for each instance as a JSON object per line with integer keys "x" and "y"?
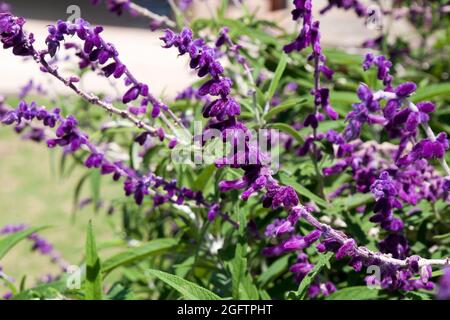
{"x": 426, "y": 149}
{"x": 291, "y": 86}
{"x": 222, "y": 109}
{"x": 277, "y": 196}
{"x": 405, "y": 89}
{"x": 213, "y": 212}
{"x": 303, "y": 9}
{"x": 426, "y": 107}
{"x": 278, "y": 227}
{"x": 13, "y": 36}
{"x": 444, "y": 285}
{"x": 346, "y": 249}
{"x": 323, "y": 98}
{"x": 385, "y": 192}
{"x": 94, "y": 160}
{"x": 382, "y": 64}
{"x": 301, "y": 268}
{"x": 395, "y": 244}
{"x": 40, "y": 244}
{"x": 324, "y": 289}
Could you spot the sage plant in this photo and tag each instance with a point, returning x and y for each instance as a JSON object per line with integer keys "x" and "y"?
{"x": 381, "y": 148}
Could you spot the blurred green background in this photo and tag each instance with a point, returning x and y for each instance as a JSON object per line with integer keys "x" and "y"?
{"x": 33, "y": 192}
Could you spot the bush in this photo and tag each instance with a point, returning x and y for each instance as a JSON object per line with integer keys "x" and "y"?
{"x": 287, "y": 171}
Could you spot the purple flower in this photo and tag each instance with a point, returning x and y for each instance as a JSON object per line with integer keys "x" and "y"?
{"x": 426, "y": 149}
{"x": 383, "y": 65}
{"x": 395, "y": 244}
{"x": 277, "y": 196}
{"x": 347, "y": 249}
{"x": 405, "y": 89}
{"x": 40, "y": 244}
{"x": 444, "y": 285}
{"x": 303, "y": 9}
{"x": 222, "y": 109}
{"x": 13, "y": 36}
{"x": 324, "y": 289}
{"x": 213, "y": 212}
{"x": 278, "y": 227}
{"x": 385, "y": 192}
{"x": 301, "y": 268}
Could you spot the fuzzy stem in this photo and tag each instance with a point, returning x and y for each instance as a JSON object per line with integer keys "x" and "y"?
{"x": 96, "y": 100}
{"x": 151, "y": 15}
{"x": 363, "y": 251}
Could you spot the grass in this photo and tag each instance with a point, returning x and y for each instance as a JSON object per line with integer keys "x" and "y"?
{"x": 33, "y": 194}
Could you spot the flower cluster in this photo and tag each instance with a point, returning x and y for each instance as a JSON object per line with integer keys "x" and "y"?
{"x": 390, "y": 183}
{"x": 40, "y": 244}
{"x": 96, "y": 49}
{"x": 258, "y": 178}
{"x": 72, "y": 139}
{"x": 203, "y": 59}
{"x": 13, "y": 36}
{"x": 383, "y": 66}
{"x": 310, "y": 36}
{"x": 223, "y": 112}
{"x": 385, "y": 193}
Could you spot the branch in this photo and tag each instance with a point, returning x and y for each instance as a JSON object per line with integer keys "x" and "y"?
{"x": 144, "y": 12}
{"x": 363, "y": 251}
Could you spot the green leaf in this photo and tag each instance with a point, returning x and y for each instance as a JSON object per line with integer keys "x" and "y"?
{"x": 355, "y": 201}
{"x": 239, "y": 28}
{"x": 308, "y": 279}
{"x": 242, "y": 283}
{"x": 43, "y": 291}
{"x": 354, "y": 293}
{"x": 275, "y": 269}
{"x": 343, "y": 98}
{"x": 282, "y": 63}
{"x": 302, "y": 190}
{"x": 8, "y": 284}
{"x": 11, "y": 240}
{"x": 430, "y": 92}
{"x": 238, "y": 267}
{"x": 416, "y": 295}
{"x": 442, "y": 236}
{"x": 188, "y": 290}
{"x": 120, "y": 292}
{"x": 204, "y": 177}
{"x": 135, "y": 254}
{"x": 340, "y": 57}
{"x": 288, "y": 129}
{"x": 93, "y": 285}
{"x": 286, "y": 105}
